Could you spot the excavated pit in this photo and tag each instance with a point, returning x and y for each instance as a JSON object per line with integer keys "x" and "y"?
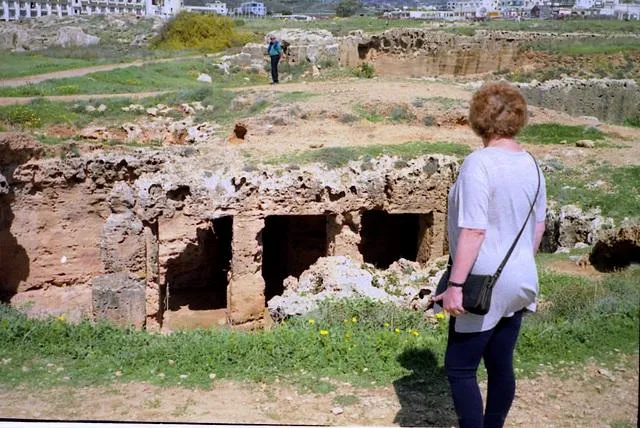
{"x": 152, "y": 239}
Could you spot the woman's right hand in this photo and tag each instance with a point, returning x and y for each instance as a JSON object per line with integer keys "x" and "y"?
{"x": 451, "y": 301}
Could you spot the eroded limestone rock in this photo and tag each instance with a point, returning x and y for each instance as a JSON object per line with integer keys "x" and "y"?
{"x": 341, "y": 277}
{"x": 570, "y": 225}
{"x": 119, "y": 298}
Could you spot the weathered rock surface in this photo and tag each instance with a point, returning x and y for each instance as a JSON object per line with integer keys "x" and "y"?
{"x": 310, "y": 46}
{"x": 570, "y": 225}
{"x": 4, "y": 186}
{"x": 120, "y": 299}
{"x": 616, "y": 249}
{"x": 341, "y": 277}
{"x": 157, "y": 215}
{"x": 607, "y": 99}
{"x": 74, "y": 37}
{"x": 77, "y": 31}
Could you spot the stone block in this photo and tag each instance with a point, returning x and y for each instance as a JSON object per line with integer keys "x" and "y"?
{"x": 120, "y": 299}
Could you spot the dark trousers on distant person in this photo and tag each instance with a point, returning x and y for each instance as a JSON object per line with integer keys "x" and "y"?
{"x": 464, "y": 351}
{"x": 275, "y": 59}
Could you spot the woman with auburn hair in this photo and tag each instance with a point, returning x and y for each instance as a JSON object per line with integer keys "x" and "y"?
{"x": 499, "y": 192}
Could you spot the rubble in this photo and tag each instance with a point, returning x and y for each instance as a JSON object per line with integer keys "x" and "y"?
{"x": 340, "y": 277}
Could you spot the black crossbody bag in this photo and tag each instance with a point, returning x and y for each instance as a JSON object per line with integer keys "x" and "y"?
{"x": 477, "y": 289}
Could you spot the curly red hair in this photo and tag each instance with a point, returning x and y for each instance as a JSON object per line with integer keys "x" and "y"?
{"x": 497, "y": 109}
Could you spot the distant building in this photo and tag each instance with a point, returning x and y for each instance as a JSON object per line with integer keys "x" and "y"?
{"x": 218, "y": 8}
{"x": 251, "y": 8}
{"x": 15, "y": 10}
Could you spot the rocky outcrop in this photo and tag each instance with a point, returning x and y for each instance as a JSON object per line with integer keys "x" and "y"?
{"x": 422, "y": 52}
{"x": 78, "y": 31}
{"x": 308, "y": 46}
{"x": 570, "y": 225}
{"x": 160, "y": 217}
{"x": 607, "y": 99}
{"x": 69, "y": 37}
{"x": 616, "y": 249}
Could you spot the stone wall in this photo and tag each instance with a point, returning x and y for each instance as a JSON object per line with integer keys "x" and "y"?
{"x": 607, "y": 99}
{"x": 153, "y": 226}
{"x": 420, "y": 52}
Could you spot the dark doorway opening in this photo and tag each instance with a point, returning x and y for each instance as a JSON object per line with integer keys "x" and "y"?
{"x": 197, "y": 279}
{"x": 386, "y": 238}
{"x": 290, "y": 245}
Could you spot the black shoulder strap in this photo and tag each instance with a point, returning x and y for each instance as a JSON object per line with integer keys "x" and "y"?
{"x": 526, "y": 220}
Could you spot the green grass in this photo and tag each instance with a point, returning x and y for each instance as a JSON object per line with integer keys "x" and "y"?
{"x": 618, "y": 197}
{"x": 355, "y": 340}
{"x": 173, "y": 75}
{"x": 335, "y": 157}
{"x": 19, "y": 64}
{"x": 368, "y": 114}
{"x": 581, "y": 319}
{"x": 591, "y": 46}
{"x": 601, "y": 26}
{"x": 633, "y": 121}
{"x": 41, "y": 113}
{"x": 342, "y": 26}
{"x": 555, "y": 133}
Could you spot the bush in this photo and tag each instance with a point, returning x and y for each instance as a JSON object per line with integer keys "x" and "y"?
{"x": 365, "y": 70}
{"x": 197, "y": 31}
{"x": 633, "y": 121}
{"x": 23, "y": 116}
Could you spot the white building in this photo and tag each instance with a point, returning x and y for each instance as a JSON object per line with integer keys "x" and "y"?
{"x": 218, "y": 8}
{"x": 14, "y": 10}
{"x": 252, "y": 8}
{"x": 473, "y": 8}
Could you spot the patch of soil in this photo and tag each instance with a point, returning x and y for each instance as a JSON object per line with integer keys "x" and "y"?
{"x": 61, "y": 131}
{"x": 580, "y": 396}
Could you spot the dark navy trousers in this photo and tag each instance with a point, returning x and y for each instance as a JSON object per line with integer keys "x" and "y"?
{"x": 275, "y": 59}
{"x": 462, "y": 358}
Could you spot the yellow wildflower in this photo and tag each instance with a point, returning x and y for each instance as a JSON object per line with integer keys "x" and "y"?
{"x": 397, "y": 330}
{"x": 354, "y": 319}
{"x": 415, "y": 333}
{"x": 312, "y": 322}
{"x": 387, "y": 324}
{"x": 324, "y": 332}
{"x": 439, "y": 316}
{"x": 61, "y": 318}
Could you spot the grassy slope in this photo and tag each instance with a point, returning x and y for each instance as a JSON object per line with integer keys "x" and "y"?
{"x": 358, "y": 341}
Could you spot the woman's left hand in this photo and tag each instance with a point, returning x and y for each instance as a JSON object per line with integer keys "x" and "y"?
{"x": 451, "y": 300}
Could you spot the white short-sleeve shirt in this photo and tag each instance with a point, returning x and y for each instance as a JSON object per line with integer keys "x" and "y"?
{"x": 494, "y": 191}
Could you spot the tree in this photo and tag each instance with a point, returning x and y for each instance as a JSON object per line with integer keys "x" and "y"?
{"x": 347, "y": 8}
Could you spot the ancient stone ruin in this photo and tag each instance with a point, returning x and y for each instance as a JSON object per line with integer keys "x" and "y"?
{"x": 155, "y": 239}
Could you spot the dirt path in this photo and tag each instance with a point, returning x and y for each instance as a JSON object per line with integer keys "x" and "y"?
{"x": 582, "y": 396}
{"x": 69, "y": 98}
{"x": 76, "y": 72}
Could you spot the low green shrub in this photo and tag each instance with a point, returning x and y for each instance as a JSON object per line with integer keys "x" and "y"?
{"x": 365, "y": 70}
{"x": 20, "y": 115}
{"x": 633, "y": 121}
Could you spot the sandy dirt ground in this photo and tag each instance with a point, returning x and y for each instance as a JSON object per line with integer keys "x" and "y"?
{"x": 589, "y": 396}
